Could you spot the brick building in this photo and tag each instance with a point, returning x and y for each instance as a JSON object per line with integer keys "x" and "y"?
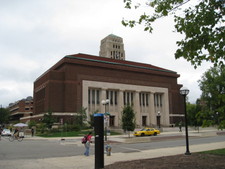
{"x": 83, "y": 80}
{"x": 22, "y": 109}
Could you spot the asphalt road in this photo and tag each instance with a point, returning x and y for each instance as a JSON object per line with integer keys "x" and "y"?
{"x": 40, "y": 149}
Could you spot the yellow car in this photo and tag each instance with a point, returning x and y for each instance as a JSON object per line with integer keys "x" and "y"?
{"x": 147, "y": 132}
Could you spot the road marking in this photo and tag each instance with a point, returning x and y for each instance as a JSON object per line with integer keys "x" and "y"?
{"x": 134, "y": 149}
{"x": 71, "y": 143}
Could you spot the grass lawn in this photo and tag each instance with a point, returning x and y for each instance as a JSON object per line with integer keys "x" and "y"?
{"x": 215, "y": 152}
{"x": 69, "y": 134}
{"x": 213, "y": 159}
{"x": 64, "y": 134}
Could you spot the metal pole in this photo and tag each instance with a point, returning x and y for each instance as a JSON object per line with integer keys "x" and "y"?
{"x": 159, "y": 121}
{"x": 105, "y": 124}
{"x": 186, "y": 128}
{"x": 99, "y": 140}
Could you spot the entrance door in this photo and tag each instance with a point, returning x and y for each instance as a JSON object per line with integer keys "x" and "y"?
{"x": 112, "y": 121}
{"x": 144, "y": 120}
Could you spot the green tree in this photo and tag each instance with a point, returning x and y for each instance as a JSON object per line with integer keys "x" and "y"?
{"x": 32, "y": 123}
{"x": 48, "y": 120}
{"x": 191, "y": 112}
{"x": 128, "y": 119}
{"x": 4, "y": 115}
{"x": 212, "y": 85}
{"x": 81, "y": 117}
{"x": 91, "y": 122}
{"x": 201, "y": 22}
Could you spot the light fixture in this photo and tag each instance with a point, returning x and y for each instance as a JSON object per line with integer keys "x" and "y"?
{"x": 184, "y": 92}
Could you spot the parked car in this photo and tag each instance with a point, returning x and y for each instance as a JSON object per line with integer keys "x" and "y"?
{"x": 6, "y": 132}
{"x": 147, "y": 132}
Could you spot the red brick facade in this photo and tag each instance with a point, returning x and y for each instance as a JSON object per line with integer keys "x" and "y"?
{"x": 20, "y": 109}
{"x": 59, "y": 89}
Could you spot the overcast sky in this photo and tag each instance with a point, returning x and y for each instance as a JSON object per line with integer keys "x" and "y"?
{"x": 34, "y": 35}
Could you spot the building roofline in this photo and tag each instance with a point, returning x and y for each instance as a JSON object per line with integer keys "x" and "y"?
{"x": 115, "y": 62}
{"x": 99, "y": 59}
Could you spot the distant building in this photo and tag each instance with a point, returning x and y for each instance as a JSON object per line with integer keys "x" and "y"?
{"x": 22, "y": 109}
{"x": 112, "y": 47}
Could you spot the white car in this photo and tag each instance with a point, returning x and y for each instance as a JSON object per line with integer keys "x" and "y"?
{"x": 6, "y": 132}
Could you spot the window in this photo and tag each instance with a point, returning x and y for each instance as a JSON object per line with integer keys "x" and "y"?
{"x": 128, "y": 98}
{"x": 115, "y": 97}
{"x": 112, "y": 96}
{"x": 124, "y": 98}
{"x": 93, "y": 96}
{"x": 140, "y": 99}
{"x": 89, "y": 96}
{"x": 132, "y": 98}
{"x": 147, "y": 99}
{"x": 98, "y": 99}
{"x": 143, "y": 99}
{"x": 158, "y": 99}
{"x": 107, "y": 94}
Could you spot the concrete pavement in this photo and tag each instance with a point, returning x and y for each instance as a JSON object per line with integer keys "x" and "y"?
{"x": 83, "y": 162}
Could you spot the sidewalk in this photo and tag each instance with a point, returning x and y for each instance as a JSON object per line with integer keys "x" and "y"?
{"x": 83, "y": 162}
{"x": 167, "y": 132}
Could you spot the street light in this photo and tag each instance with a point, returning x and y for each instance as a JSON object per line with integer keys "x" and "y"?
{"x": 217, "y": 118}
{"x": 184, "y": 92}
{"x": 158, "y": 118}
{"x": 106, "y": 102}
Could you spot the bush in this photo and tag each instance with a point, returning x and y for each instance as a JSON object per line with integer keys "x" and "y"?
{"x": 32, "y": 123}
{"x": 71, "y": 127}
{"x": 41, "y": 128}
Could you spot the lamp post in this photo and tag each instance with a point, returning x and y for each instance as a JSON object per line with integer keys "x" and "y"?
{"x": 158, "y": 118}
{"x": 217, "y": 118}
{"x": 105, "y": 102}
{"x": 184, "y": 92}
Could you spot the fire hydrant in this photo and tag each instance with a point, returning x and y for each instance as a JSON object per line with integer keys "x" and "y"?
{"x": 108, "y": 149}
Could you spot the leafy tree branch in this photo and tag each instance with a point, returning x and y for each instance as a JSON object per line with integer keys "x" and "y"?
{"x": 202, "y": 23}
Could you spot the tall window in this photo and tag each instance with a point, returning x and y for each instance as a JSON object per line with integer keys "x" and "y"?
{"x": 144, "y": 99}
{"x": 112, "y": 96}
{"x": 97, "y": 97}
{"x": 128, "y": 98}
{"x": 89, "y": 96}
{"x": 93, "y": 96}
{"x": 158, "y": 99}
{"x": 115, "y": 101}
